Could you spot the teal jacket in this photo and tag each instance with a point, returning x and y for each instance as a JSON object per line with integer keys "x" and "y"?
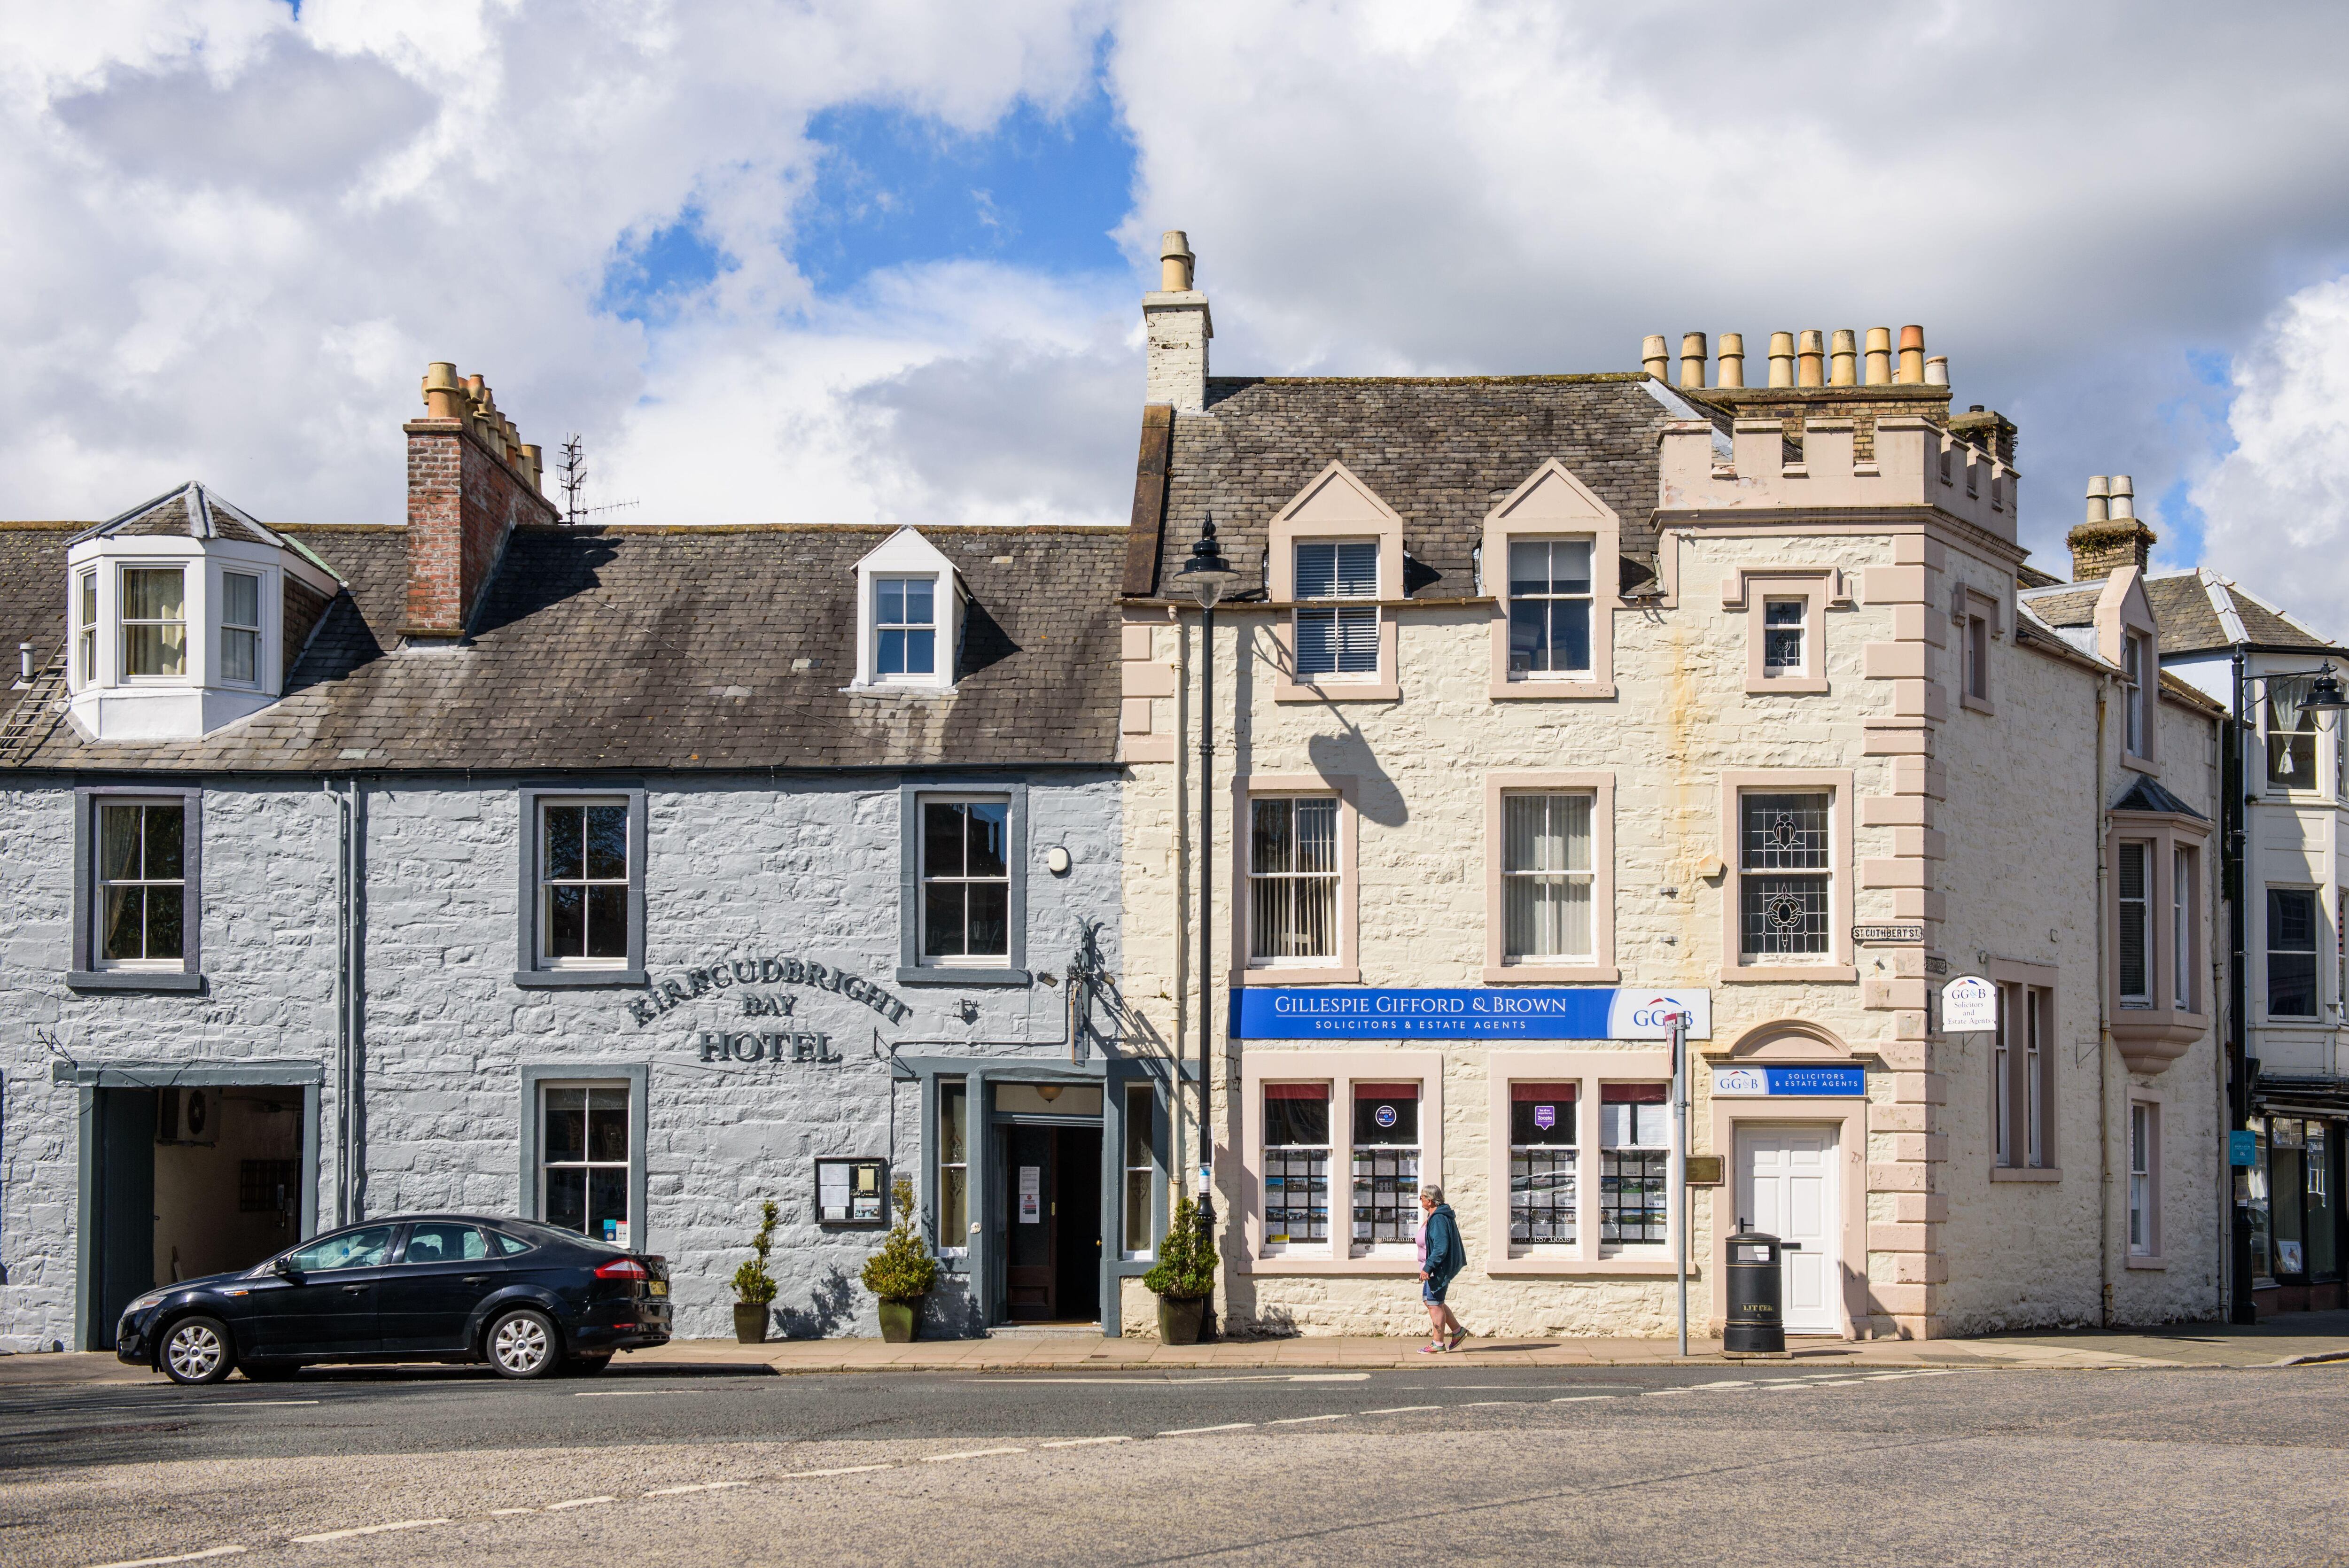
{"x": 1446, "y": 1254}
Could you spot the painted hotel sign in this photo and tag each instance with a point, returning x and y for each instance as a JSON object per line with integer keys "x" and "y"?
{"x": 1499, "y": 1013}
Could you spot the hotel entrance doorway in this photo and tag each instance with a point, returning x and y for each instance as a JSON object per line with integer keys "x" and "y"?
{"x": 1052, "y": 1230}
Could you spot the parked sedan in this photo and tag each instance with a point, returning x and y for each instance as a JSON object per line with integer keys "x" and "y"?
{"x": 527, "y": 1298}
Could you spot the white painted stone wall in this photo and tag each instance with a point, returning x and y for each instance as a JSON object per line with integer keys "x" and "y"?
{"x": 733, "y": 869}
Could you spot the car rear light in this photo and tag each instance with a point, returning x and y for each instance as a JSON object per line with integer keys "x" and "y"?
{"x": 622, "y": 1268}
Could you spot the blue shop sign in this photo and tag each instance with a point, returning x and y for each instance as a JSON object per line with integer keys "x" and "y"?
{"x": 1813, "y": 1083}
{"x": 2242, "y": 1149}
{"x": 1497, "y": 1013}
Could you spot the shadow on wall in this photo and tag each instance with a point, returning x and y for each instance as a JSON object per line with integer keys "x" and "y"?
{"x": 951, "y": 1313}
{"x": 837, "y": 1301}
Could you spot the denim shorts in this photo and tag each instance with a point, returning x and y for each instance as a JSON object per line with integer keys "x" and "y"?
{"x": 1429, "y": 1291}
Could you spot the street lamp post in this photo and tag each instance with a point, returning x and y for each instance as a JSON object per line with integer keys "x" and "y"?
{"x": 2324, "y": 695}
{"x": 1207, "y": 575}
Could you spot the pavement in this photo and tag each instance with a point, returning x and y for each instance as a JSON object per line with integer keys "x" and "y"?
{"x": 2286, "y": 1340}
{"x": 1448, "y": 1461}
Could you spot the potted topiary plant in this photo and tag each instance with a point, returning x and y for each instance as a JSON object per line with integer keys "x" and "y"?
{"x": 903, "y": 1271}
{"x": 754, "y": 1287}
{"x": 1185, "y": 1275}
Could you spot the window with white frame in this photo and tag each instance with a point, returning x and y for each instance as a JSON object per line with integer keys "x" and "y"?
{"x": 1386, "y": 1166}
{"x": 954, "y": 1167}
{"x": 2133, "y": 884}
{"x": 2183, "y": 928}
{"x": 1293, "y": 873}
{"x": 154, "y": 620}
{"x": 1635, "y": 1141}
{"x": 85, "y": 629}
{"x": 965, "y": 880}
{"x": 2144, "y": 1193}
{"x": 1543, "y": 1199}
{"x": 2020, "y": 1082}
{"x": 1785, "y": 869}
{"x": 2138, "y": 671}
{"x": 583, "y": 883}
{"x": 2292, "y": 735}
{"x": 1296, "y": 1165}
{"x": 1337, "y": 640}
{"x": 905, "y": 628}
{"x": 2292, "y": 953}
{"x": 142, "y": 886}
{"x": 1141, "y": 1167}
{"x": 1978, "y": 658}
{"x": 1546, "y": 876}
{"x": 1783, "y": 637}
{"x": 583, "y": 1160}
{"x": 1549, "y": 608}
{"x": 239, "y": 628}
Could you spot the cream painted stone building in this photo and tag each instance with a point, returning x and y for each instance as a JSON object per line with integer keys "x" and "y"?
{"x": 1545, "y": 706}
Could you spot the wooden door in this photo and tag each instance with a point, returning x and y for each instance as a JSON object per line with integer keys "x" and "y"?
{"x": 1030, "y": 1272}
{"x": 1786, "y": 1186}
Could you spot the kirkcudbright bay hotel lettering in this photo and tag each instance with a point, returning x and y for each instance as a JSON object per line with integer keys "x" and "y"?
{"x": 667, "y": 995}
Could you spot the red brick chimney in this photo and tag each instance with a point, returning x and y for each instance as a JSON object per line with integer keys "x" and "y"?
{"x": 470, "y": 481}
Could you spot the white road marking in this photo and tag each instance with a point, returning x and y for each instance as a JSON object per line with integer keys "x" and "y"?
{"x": 1227, "y": 1427}
{"x": 1780, "y": 1386}
{"x": 698, "y": 1486}
{"x": 1481, "y": 1404}
{"x": 1082, "y": 1442}
{"x": 578, "y": 1503}
{"x": 1660, "y": 1393}
{"x": 363, "y": 1530}
{"x": 1579, "y": 1399}
{"x": 505, "y": 1512}
{"x": 1843, "y": 1382}
{"x": 1301, "y": 1420}
{"x": 848, "y": 1470}
{"x": 1402, "y": 1410}
{"x": 965, "y": 1454}
{"x": 1731, "y": 1384}
{"x": 182, "y": 1557}
{"x": 621, "y": 1393}
{"x": 242, "y": 1405}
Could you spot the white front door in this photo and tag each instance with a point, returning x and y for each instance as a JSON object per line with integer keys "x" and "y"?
{"x": 1786, "y": 1188}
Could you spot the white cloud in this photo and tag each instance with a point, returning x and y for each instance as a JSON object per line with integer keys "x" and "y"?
{"x": 240, "y": 236}
{"x": 2279, "y": 502}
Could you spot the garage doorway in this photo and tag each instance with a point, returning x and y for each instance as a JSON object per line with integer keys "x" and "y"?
{"x": 186, "y": 1180}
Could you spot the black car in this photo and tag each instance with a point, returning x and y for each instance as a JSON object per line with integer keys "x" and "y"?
{"x": 527, "y": 1298}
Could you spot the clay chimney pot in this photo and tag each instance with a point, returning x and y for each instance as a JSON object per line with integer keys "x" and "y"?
{"x": 2099, "y": 507}
{"x": 1782, "y": 359}
{"x": 1912, "y": 356}
{"x": 2123, "y": 498}
{"x": 1879, "y": 357}
{"x": 1692, "y": 359}
{"x": 1937, "y": 370}
{"x": 1732, "y": 359}
{"x": 1176, "y": 262}
{"x": 1812, "y": 371}
{"x": 1653, "y": 358}
{"x": 1844, "y": 361}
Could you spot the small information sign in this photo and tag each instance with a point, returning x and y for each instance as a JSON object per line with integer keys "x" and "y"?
{"x": 1814, "y": 1083}
{"x": 2242, "y": 1149}
{"x": 1873, "y": 933}
{"x": 1968, "y": 1003}
{"x": 1031, "y": 1194}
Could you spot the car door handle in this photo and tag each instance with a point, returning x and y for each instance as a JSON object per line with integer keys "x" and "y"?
{"x": 475, "y": 1279}
{"x": 353, "y": 1289}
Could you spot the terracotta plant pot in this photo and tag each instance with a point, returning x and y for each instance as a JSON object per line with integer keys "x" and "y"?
{"x": 1179, "y": 1319}
{"x": 898, "y": 1320}
{"x": 749, "y": 1323}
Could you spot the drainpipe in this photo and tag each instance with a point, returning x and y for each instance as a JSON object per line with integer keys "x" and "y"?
{"x": 2104, "y": 1035}
{"x": 342, "y": 1001}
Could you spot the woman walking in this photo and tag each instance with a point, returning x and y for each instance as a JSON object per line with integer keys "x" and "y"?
{"x": 1441, "y": 1256}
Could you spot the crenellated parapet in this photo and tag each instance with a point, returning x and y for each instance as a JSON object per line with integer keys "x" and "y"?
{"x": 1759, "y": 468}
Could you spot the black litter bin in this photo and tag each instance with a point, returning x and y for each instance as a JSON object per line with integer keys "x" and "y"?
{"x": 1756, "y": 1322}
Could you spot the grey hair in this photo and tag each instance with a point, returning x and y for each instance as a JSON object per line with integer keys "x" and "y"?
{"x": 1431, "y": 1192}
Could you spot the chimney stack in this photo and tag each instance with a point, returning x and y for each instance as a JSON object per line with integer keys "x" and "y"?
{"x": 2110, "y": 536}
{"x": 1178, "y": 327}
{"x": 1693, "y": 360}
{"x": 470, "y": 481}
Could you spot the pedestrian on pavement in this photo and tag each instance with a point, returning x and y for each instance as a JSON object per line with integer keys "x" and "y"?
{"x": 1441, "y": 1256}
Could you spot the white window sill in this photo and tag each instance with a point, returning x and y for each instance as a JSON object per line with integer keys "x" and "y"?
{"x": 2026, "y": 1173}
{"x": 2147, "y": 1261}
{"x": 898, "y": 688}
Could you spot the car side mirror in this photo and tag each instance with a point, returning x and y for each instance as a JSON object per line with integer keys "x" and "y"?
{"x": 284, "y": 1268}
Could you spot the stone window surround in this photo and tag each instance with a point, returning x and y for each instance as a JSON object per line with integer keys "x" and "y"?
{"x": 1839, "y": 965}
{"x": 86, "y": 973}
{"x": 911, "y": 970}
{"x": 1849, "y": 1119}
{"x": 1604, "y": 531}
{"x": 1499, "y": 970}
{"x": 1283, "y": 535}
{"x": 1587, "y": 1069}
{"x": 1341, "y": 1070}
{"x": 2002, "y": 972}
{"x": 2151, "y": 1037}
{"x": 637, "y": 1077}
{"x": 529, "y": 970}
{"x": 1968, "y": 603}
{"x": 1346, "y": 968}
{"x": 2156, "y": 1258}
{"x": 1750, "y": 588}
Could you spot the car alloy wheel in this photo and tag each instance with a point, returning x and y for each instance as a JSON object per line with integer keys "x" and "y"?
{"x": 522, "y": 1345}
{"x": 196, "y": 1351}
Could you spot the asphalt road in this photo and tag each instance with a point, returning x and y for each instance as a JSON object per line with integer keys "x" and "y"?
{"x": 1456, "y": 1462}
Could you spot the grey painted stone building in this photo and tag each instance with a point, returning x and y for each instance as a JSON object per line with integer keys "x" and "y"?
{"x": 622, "y": 878}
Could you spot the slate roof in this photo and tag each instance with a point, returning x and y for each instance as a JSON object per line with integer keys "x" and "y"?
{"x": 1443, "y": 451}
{"x": 636, "y": 648}
{"x": 191, "y": 511}
{"x": 2147, "y": 795}
{"x": 2191, "y": 607}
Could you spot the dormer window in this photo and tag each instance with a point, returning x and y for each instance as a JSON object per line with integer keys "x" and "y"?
{"x": 905, "y": 619}
{"x": 154, "y": 623}
{"x": 239, "y": 628}
{"x": 1549, "y": 607}
{"x": 909, "y": 605}
{"x": 1343, "y": 640}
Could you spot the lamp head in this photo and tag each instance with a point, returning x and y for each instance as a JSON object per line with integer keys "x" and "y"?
{"x": 2324, "y": 694}
{"x": 1207, "y": 573}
